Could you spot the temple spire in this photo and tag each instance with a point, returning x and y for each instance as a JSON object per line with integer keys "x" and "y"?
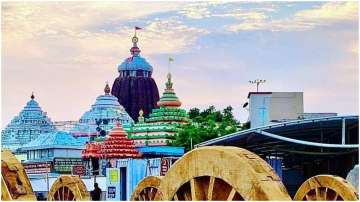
{"x": 141, "y": 116}
{"x": 32, "y": 95}
{"x": 135, "y": 50}
{"x": 107, "y": 89}
{"x": 169, "y": 98}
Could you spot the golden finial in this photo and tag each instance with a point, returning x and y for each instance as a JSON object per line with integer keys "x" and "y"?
{"x": 107, "y": 88}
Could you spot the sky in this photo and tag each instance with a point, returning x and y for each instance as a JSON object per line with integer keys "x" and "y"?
{"x": 65, "y": 52}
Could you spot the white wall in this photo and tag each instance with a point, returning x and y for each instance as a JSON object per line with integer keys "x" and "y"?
{"x": 275, "y": 106}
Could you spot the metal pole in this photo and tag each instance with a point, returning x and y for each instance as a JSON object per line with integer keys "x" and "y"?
{"x": 191, "y": 144}
{"x": 343, "y": 131}
{"x": 47, "y": 182}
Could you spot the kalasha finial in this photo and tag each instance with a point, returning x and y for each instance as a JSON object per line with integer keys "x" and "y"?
{"x": 169, "y": 83}
{"x": 141, "y": 113}
{"x": 107, "y": 88}
{"x": 32, "y": 95}
{"x": 135, "y": 50}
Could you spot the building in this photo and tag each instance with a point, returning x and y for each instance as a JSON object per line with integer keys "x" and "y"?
{"x": 116, "y": 145}
{"x": 160, "y": 128}
{"x": 64, "y": 125}
{"x": 54, "y": 152}
{"x": 274, "y": 107}
{"x": 102, "y": 117}
{"x": 26, "y": 126}
{"x": 300, "y": 149}
{"x": 134, "y": 87}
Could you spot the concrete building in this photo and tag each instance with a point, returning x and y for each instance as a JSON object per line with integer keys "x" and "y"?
{"x": 266, "y": 107}
{"x": 273, "y": 107}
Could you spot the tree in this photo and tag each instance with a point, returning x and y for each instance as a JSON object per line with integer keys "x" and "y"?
{"x": 205, "y": 125}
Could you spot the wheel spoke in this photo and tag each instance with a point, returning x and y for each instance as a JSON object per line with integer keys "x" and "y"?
{"x": 140, "y": 197}
{"x": 58, "y": 195}
{"x": 317, "y": 193}
{"x": 336, "y": 196}
{"x": 325, "y": 193}
{"x": 210, "y": 188}
{"x": 192, "y": 189}
{"x": 63, "y": 193}
{"x": 68, "y": 194}
{"x": 231, "y": 194}
{"x": 186, "y": 196}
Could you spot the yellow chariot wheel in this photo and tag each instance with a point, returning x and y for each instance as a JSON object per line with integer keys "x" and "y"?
{"x": 221, "y": 173}
{"x": 68, "y": 188}
{"x": 326, "y": 188}
{"x": 15, "y": 184}
{"x": 146, "y": 189}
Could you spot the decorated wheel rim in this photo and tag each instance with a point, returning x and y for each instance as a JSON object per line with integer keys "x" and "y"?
{"x": 326, "y": 188}
{"x": 221, "y": 173}
{"x": 68, "y": 188}
{"x": 146, "y": 189}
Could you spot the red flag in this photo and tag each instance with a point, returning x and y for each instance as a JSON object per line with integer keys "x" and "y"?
{"x": 137, "y": 28}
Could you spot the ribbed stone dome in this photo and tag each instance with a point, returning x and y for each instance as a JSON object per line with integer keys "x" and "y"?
{"x": 106, "y": 107}
{"x": 26, "y": 126}
{"x": 135, "y": 63}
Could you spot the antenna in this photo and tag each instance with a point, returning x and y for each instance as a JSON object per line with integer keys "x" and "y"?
{"x": 257, "y": 82}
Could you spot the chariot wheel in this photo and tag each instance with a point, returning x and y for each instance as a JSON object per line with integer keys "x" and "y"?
{"x": 326, "y": 188}
{"x": 68, "y": 188}
{"x": 146, "y": 189}
{"x": 221, "y": 173}
{"x": 15, "y": 184}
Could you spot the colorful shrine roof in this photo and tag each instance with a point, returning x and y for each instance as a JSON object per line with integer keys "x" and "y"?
{"x": 56, "y": 139}
{"x": 118, "y": 145}
{"x": 169, "y": 98}
{"x": 93, "y": 150}
{"x": 135, "y": 62}
{"x": 26, "y": 126}
{"x": 106, "y": 112}
{"x": 162, "y": 124}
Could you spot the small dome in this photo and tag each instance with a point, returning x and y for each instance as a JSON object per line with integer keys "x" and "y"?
{"x": 135, "y": 63}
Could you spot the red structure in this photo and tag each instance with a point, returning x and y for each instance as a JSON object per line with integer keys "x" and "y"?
{"x": 118, "y": 146}
{"x": 92, "y": 150}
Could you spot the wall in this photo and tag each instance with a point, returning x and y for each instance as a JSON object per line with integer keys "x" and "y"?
{"x": 275, "y": 106}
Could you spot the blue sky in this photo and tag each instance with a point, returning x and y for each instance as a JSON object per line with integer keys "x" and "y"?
{"x": 65, "y": 52}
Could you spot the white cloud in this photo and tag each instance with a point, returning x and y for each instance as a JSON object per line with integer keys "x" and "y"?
{"x": 88, "y": 32}
{"x": 326, "y": 14}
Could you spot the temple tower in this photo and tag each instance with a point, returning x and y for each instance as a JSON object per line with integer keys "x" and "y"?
{"x": 134, "y": 87}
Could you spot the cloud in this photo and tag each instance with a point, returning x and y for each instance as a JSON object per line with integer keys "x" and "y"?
{"x": 303, "y": 20}
{"x": 95, "y": 33}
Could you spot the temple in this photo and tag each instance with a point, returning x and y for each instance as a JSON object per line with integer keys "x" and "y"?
{"x": 102, "y": 116}
{"x": 116, "y": 145}
{"x": 134, "y": 87}
{"x": 54, "y": 152}
{"x": 160, "y": 128}
{"x": 26, "y": 126}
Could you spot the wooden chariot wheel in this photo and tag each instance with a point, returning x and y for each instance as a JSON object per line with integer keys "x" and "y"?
{"x": 68, "y": 188}
{"x": 146, "y": 189}
{"x": 326, "y": 188}
{"x": 221, "y": 173}
{"x": 15, "y": 184}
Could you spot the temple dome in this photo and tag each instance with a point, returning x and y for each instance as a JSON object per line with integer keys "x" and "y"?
{"x": 106, "y": 110}
{"x": 135, "y": 62}
{"x": 26, "y": 126}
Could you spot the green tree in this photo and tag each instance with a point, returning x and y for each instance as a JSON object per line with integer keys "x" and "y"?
{"x": 205, "y": 125}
